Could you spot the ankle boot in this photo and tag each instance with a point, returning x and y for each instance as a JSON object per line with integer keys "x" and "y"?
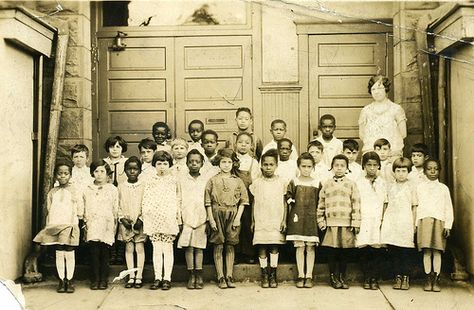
{"x": 405, "y": 283}
{"x": 398, "y": 282}
{"x": 334, "y": 281}
{"x": 61, "y": 286}
{"x": 264, "y": 278}
{"x": 69, "y": 286}
{"x": 342, "y": 279}
{"x": 199, "y": 280}
{"x": 429, "y": 283}
{"x": 272, "y": 279}
{"x": 191, "y": 281}
{"x": 435, "y": 281}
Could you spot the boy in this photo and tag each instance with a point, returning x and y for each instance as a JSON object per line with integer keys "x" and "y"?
{"x": 209, "y": 144}
{"x": 350, "y": 148}
{"x": 419, "y": 154}
{"x": 147, "y": 147}
{"x": 278, "y": 131}
{"x": 332, "y": 145}
{"x": 321, "y": 171}
{"x": 81, "y": 175}
{"x": 287, "y": 168}
{"x": 195, "y": 130}
{"x": 244, "y": 119}
{"x": 382, "y": 148}
{"x": 161, "y": 133}
{"x": 179, "y": 149}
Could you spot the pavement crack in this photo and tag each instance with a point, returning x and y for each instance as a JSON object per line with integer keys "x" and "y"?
{"x": 386, "y": 299}
{"x": 100, "y": 306}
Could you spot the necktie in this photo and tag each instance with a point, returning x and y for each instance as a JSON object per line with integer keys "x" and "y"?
{"x": 115, "y": 174}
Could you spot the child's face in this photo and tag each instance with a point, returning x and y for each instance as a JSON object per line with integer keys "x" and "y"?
{"x": 284, "y": 151}
{"x": 383, "y": 151}
{"x": 147, "y": 155}
{"x": 316, "y": 153}
{"x": 226, "y": 164}
{"x": 244, "y": 120}
{"x": 63, "y": 175}
{"x": 79, "y": 159}
{"x": 278, "y": 131}
{"x": 132, "y": 170}
{"x": 339, "y": 167}
{"x": 195, "y": 131}
{"x": 306, "y": 167}
{"x": 100, "y": 175}
{"x": 371, "y": 167}
{"x": 327, "y": 128}
{"x": 209, "y": 144}
{"x": 418, "y": 159}
{"x": 160, "y": 134}
{"x": 378, "y": 91}
{"x": 351, "y": 155}
{"x": 162, "y": 167}
{"x": 194, "y": 163}
{"x": 432, "y": 171}
{"x": 115, "y": 151}
{"x": 268, "y": 166}
{"x": 243, "y": 144}
{"x": 179, "y": 151}
{"x": 401, "y": 174}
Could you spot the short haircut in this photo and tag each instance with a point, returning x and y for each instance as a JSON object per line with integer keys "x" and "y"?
{"x": 385, "y": 81}
{"x": 304, "y": 156}
{"x": 327, "y": 117}
{"x": 63, "y": 162}
{"x": 277, "y": 121}
{"x": 80, "y": 148}
{"x": 227, "y": 153}
{"x": 210, "y": 132}
{"x": 429, "y": 160}
{"x": 162, "y": 156}
{"x": 179, "y": 141}
{"x": 273, "y": 153}
{"x": 317, "y": 144}
{"x": 194, "y": 152}
{"x": 350, "y": 144}
{"x": 195, "y": 121}
{"x": 279, "y": 142}
{"x": 133, "y": 159}
{"x": 114, "y": 139}
{"x": 161, "y": 124}
{"x": 340, "y": 156}
{"x": 244, "y": 133}
{"x": 381, "y": 142}
{"x": 402, "y": 162}
{"x": 99, "y": 163}
{"x": 243, "y": 109}
{"x": 370, "y": 156}
{"x": 420, "y": 148}
{"x": 147, "y": 143}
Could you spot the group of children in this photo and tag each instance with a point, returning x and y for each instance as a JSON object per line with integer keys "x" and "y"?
{"x": 260, "y": 197}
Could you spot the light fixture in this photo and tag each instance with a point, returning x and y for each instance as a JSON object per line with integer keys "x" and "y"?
{"x": 119, "y": 45}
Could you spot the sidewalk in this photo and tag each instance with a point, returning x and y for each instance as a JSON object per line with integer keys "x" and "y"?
{"x": 249, "y": 296}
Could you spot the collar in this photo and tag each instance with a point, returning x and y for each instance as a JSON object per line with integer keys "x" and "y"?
{"x": 134, "y": 185}
{"x": 338, "y": 180}
{"x": 235, "y": 133}
{"x": 112, "y": 162}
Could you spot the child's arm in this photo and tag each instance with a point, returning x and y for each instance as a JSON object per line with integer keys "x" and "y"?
{"x": 258, "y": 148}
{"x": 49, "y": 201}
{"x": 244, "y": 201}
{"x": 285, "y": 215}
{"x": 448, "y": 213}
{"x": 401, "y": 120}
{"x": 355, "y": 214}
{"x": 115, "y": 203}
{"x": 321, "y": 211}
{"x": 79, "y": 202}
{"x": 252, "y": 223}
{"x": 208, "y": 204}
{"x": 179, "y": 206}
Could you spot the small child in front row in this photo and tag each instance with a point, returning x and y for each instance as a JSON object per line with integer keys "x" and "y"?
{"x": 195, "y": 130}
{"x": 303, "y": 192}
{"x": 193, "y": 212}
{"x": 434, "y": 219}
{"x": 278, "y": 131}
{"x": 225, "y": 199}
{"x": 339, "y": 214}
{"x": 100, "y": 218}
{"x": 321, "y": 171}
{"x": 269, "y": 216}
{"x": 350, "y": 148}
{"x": 382, "y": 148}
{"x": 65, "y": 208}
{"x": 287, "y": 168}
{"x": 419, "y": 154}
{"x": 115, "y": 146}
{"x": 130, "y": 228}
{"x": 147, "y": 148}
{"x": 161, "y": 217}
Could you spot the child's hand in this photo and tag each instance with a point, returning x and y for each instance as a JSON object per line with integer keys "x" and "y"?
{"x": 82, "y": 224}
{"x": 138, "y": 225}
{"x": 356, "y": 230}
{"x": 252, "y": 227}
{"x": 323, "y": 226}
{"x": 283, "y": 227}
{"x": 213, "y": 225}
{"x": 235, "y": 224}
{"x": 126, "y": 223}
{"x": 446, "y": 232}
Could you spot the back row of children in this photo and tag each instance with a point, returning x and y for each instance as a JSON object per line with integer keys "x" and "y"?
{"x": 265, "y": 198}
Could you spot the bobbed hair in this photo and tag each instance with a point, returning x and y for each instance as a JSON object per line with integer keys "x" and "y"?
{"x": 227, "y": 153}
{"x": 339, "y": 157}
{"x": 111, "y": 141}
{"x": 385, "y": 81}
{"x": 162, "y": 156}
{"x": 304, "y": 156}
{"x": 99, "y": 163}
{"x": 402, "y": 162}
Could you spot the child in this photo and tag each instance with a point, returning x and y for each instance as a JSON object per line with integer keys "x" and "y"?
{"x": 179, "y": 149}
{"x": 332, "y": 145}
{"x": 193, "y": 236}
{"x": 147, "y": 148}
{"x": 81, "y": 176}
{"x": 434, "y": 219}
{"x": 162, "y": 134}
{"x": 278, "y": 131}
{"x": 287, "y": 168}
{"x": 269, "y": 216}
{"x": 350, "y": 148}
{"x": 209, "y": 144}
{"x": 115, "y": 147}
{"x": 373, "y": 197}
{"x": 382, "y": 118}
{"x": 382, "y": 148}
{"x": 419, "y": 154}
{"x": 225, "y": 200}
{"x": 161, "y": 217}
{"x": 64, "y": 209}
{"x": 398, "y": 226}
{"x": 321, "y": 171}
{"x": 195, "y": 130}
{"x": 303, "y": 191}
{"x": 100, "y": 218}
{"x": 244, "y": 119}
{"x": 339, "y": 213}
{"x": 130, "y": 220}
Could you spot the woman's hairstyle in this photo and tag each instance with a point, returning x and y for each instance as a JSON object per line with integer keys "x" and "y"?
{"x": 402, "y": 162}
{"x": 133, "y": 159}
{"x": 340, "y": 156}
{"x": 162, "y": 156}
{"x": 98, "y": 163}
{"x": 179, "y": 141}
{"x": 114, "y": 139}
{"x": 63, "y": 162}
{"x": 194, "y": 152}
{"x": 370, "y": 156}
{"x": 431, "y": 160}
{"x": 80, "y": 148}
{"x": 147, "y": 143}
{"x": 244, "y": 133}
{"x": 385, "y": 81}
{"x": 273, "y": 153}
{"x": 304, "y": 156}
{"x": 228, "y": 153}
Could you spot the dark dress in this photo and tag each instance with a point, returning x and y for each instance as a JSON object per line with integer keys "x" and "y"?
{"x": 246, "y": 236}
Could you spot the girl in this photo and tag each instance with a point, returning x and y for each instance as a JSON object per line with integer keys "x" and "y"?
{"x": 193, "y": 237}
{"x": 269, "y": 215}
{"x": 65, "y": 208}
{"x": 225, "y": 200}
{"x": 434, "y": 219}
{"x": 100, "y": 218}
{"x": 161, "y": 134}
{"x": 339, "y": 213}
{"x": 161, "y": 217}
{"x": 115, "y": 147}
{"x": 398, "y": 226}
{"x": 130, "y": 222}
{"x": 373, "y": 197}
{"x": 303, "y": 191}
{"x": 179, "y": 149}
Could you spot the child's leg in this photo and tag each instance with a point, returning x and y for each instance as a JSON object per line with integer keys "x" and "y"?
{"x": 332, "y": 260}
{"x": 262, "y": 256}
{"x": 273, "y": 266}
{"x": 427, "y": 253}
{"x": 140, "y": 249}
{"x": 198, "y": 257}
{"x": 129, "y": 249}
{"x": 229, "y": 260}
{"x": 189, "y": 255}
{"x": 218, "y": 260}
{"x": 69, "y": 255}
{"x": 95, "y": 260}
{"x": 300, "y": 258}
{"x": 168, "y": 260}
{"x": 104, "y": 261}
{"x": 436, "y": 261}
{"x": 342, "y": 259}
{"x": 310, "y": 256}
{"x": 60, "y": 263}
{"x": 158, "y": 259}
